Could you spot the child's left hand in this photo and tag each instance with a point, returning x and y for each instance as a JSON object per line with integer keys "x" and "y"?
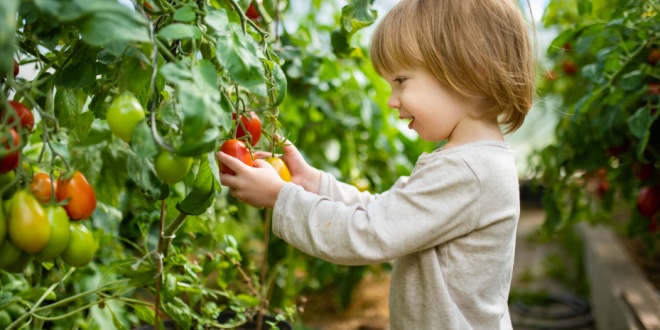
{"x": 257, "y": 186}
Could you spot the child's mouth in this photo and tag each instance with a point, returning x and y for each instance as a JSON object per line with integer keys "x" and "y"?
{"x": 412, "y": 120}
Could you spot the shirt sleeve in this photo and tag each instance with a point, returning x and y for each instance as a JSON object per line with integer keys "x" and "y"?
{"x": 349, "y": 194}
{"x": 438, "y": 203}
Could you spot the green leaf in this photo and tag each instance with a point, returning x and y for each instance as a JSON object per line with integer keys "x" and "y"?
{"x": 143, "y": 142}
{"x": 83, "y": 125}
{"x": 185, "y": 13}
{"x": 280, "y": 84}
{"x": 244, "y": 300}
{"x": 144, "y": 313}
{"x": 180, "y": 31}
{"x": 203, "y": 192}
{"x": 584, "y": 7}
{"x": 8, "y": 9}
{"x": 632, "y": 80}
{"x": 77, "y": 75}
{"x": 357, "y": 15}
{"x": 104, "y": 22}
{"x": 640, "y": 122}
{"x": 66, "y": 107}
{"x": 141, "y": 171}
{"x": 134, "y": 75}
{"x": 179, "y": 311}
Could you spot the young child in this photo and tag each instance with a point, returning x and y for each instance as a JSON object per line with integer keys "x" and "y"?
{"x": 459, "y": 70}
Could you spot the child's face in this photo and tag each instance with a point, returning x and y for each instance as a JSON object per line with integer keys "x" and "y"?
{"x": 433, "y": 112}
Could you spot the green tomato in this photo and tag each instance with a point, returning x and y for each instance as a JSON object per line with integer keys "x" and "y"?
{"x": 124, "y": 114}
{"x": 5, "y": 319}
{"x": 9, "y": 254}
{"x": 60, "y": 233}
{"x": 28, "y": 224}
{"x": 171, "y": 168}
{"x": 81, "y": 248}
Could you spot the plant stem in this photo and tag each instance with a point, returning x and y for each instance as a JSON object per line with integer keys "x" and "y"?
{"x": 168, "y": 234}
{"x": 159, "y": 265}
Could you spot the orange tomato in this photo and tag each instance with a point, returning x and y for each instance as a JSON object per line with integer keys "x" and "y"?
{"x": 41, "y": 187}
{"x": 81, "y": 196}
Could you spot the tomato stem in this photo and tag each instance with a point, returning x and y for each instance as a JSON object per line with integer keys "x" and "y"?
{"x": 159, "y": 265}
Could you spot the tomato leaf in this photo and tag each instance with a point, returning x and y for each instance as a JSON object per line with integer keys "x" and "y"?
{"x": 185, "y": 13}
{"x": 357, "y": 15}
{"x": 180, "y": 31}
{"x": 83, "y": 125}
{"x": 143, "y": 142}
{"x": 144, "y": 313}
{"x": 179, "y": 311}
{"x": 584, "y": 7}
{"x": 76, "y": 75}
{"x": 104, "y": 22}
{"x": 631, "y": 81}
{"x": 7, "y": 36}
{"x": 66, "y": 107}
{"x": 640, "y": 122}
{"x": 203, "y": 192}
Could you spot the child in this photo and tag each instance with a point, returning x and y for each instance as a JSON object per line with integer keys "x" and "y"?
{"x": 458, "y": 70}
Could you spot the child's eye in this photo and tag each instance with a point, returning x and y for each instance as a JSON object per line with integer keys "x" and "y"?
{"x": 399, "y": 80}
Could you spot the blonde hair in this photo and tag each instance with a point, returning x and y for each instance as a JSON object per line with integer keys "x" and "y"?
{"x": 478, "y": 49}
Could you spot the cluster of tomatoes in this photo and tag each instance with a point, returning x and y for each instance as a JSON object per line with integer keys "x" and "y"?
{"x": 36, "y": 221}
{"x": 249, "y": 128}
{"x": 43, "y": 221}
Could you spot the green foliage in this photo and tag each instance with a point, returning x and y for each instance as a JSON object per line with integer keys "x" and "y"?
{"x": 603, "y": 79}
{"x": 190, "y": 64}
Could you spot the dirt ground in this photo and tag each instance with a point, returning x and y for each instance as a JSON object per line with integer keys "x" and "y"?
{"x": 369, "y": 309}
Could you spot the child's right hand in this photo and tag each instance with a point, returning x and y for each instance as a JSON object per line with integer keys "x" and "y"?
{"x": 301, "y": 173}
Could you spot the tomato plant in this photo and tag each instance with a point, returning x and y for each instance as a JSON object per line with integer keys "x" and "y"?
{"x": 9, "y": 161}
{"x": 60, "y": 233}
{"x": 81, "y": 247}
{"x": 42, "y": 187}
{"x": 27, "y": 223}
{"x": 609, "y": 116}
{"x": 250, "y": 126}
{"x": 80, "y": 195}
{"x": 10, "y": 254}
{"x": 124, "y": 113}
{"x": 171, "y": 168}
{"x": 238, "y": 150}
{"x": 280, "y": 166}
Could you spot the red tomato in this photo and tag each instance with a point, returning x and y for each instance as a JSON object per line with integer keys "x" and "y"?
{"x": 654, "y": 88}
{"x": 643, "y": 171}
{"x": 569, "y": 67}
{"x": 41, "y": 187}
{"x": 16, "y": 68}
{"x": 252, "y": 12}
{"x": 10, "y": 162}
{"x": 253, "y": 126}
{"x": 23, "y": 113}
{"x": 653, "y": 57}
{"x": 81, "y": 195}
{"x": 238, "y": 150}
{"x": 648, "y": 201}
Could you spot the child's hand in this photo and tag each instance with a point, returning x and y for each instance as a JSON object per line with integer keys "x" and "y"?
{"x": 257, "y": 186}
{"x": 301, "y": 173}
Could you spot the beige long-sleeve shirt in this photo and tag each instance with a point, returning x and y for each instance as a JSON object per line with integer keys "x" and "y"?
{"x": 450, "y": 229}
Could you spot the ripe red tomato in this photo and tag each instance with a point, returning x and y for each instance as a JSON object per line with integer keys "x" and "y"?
{"x": 28, "y": 226}
{"x": 569, "y": 67}
{"x": 238, "y": 150}
{"x": 654, "y": 88}
{"x": 642, "y": 171}
{"x": 10, "y": 161}
{"x": 41, "y": 187}
{"x": 653, "y": 57}
{"x": 648, "y": 201}
{"x": 280, "y": 166}
{"x": 81, "y": 195}
{"x": 16, "y": 68}
{"x": 252, "y": 12}
{"x": 253, "y": 126}
{"x": 23, "y": 113}
{"x": 653, "y": 225}
{"x": 567, "y": 46}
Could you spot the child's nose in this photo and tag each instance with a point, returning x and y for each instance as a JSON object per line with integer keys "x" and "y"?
{"x": 393, "y": 102}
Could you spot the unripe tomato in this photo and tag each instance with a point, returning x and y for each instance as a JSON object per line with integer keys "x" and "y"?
{"x": 5, "y": 319}
{"x": 24, "y": 114}
{"x": 81, "y": 248}
{"x": 9, "y": 254}
{"x": 171, "y": 168}
{"x": 648, "y": 201}
{"x": 28, "y": 224}
{"x": 60, "y": 233}
{"x": 124, "y": 114}
{"x": 238, "y": 150}
{"x": 81, "y": 195}
{"x": 252, "y": 125}
{"x": 281, "y": 168}
{"x": 41, "y": 187}
{"x": 10, "y": 162}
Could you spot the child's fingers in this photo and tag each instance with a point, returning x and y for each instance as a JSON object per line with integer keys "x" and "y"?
{"x": 265, "y": 154}
{"x": 234, "y": 164}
